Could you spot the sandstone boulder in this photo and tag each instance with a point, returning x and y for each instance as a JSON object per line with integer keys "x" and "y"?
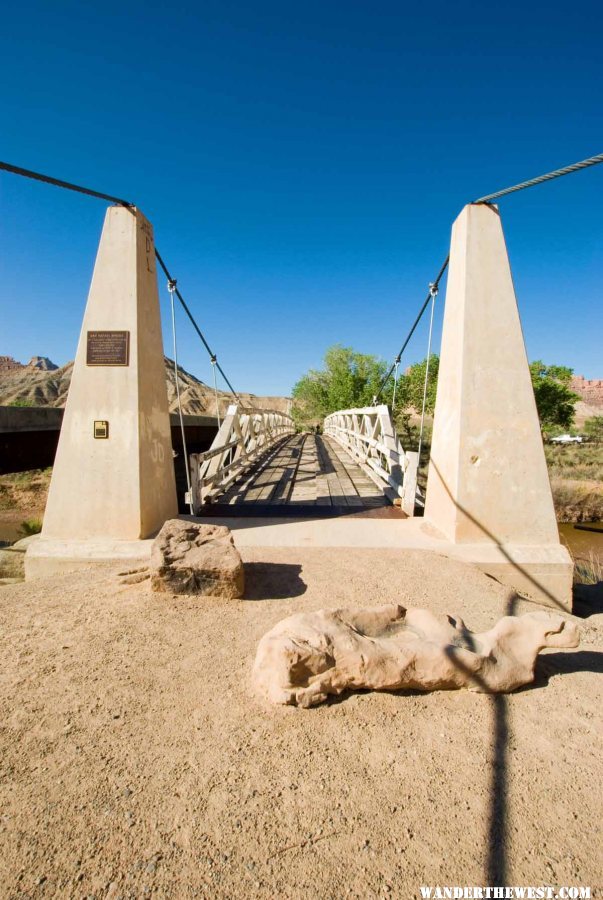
{"x": 196, "y": 559}
{"x": 308, "y": 656}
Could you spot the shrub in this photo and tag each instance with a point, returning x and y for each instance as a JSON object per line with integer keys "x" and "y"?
{"x": 30, "y": 526}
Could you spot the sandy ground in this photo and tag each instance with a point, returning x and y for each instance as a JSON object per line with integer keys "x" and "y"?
{"x": 136, "y": 761}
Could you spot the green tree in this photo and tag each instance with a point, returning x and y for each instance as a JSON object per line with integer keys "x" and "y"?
{"x": 351, "y": 379}
{"x": 554, "y": 399}
{"x": 348, "y": 379}
{"x": 593, "y": 429}
{"x": 412, "y": 384}
{"x": 562, "y": 374}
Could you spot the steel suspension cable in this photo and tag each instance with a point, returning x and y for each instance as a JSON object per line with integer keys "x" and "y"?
{"x": 212, "y": 355}
{"x": 48, "y": 179}
{"x": 171, "y": 288}
{"x": 434, "y": 284}
{"x": 213, "y": 367}
{"x": 549, "y": 176}
{"x": 397, "y": 364}
{"x": 558, "y": 173}
{"x": 434, "y": 293}
{"x": 90, "y": 192}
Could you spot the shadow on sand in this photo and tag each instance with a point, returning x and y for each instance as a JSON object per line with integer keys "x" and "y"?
{"x": 273, "y": 581}
{"x": 588, "y": 599}
{"x": 496, "y": 862}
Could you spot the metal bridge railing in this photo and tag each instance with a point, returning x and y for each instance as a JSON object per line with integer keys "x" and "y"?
{"x": 370, "y": 438}
{"x": 244, "y": 436}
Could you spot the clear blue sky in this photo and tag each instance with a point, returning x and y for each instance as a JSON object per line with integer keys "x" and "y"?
{"x": 302, "y": 164}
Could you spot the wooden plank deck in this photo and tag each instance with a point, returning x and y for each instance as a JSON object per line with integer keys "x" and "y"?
{"x": 305, "y": 473}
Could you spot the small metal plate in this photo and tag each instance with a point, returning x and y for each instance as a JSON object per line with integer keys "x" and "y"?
{"x": 101, "y": 429}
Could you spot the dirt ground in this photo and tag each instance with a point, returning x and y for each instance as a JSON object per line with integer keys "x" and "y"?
{"x": 135, "y": 760}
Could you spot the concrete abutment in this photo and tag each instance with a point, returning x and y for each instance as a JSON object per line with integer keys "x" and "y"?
{"x": 488, "y": 490}
{"x": 113, "y": 479}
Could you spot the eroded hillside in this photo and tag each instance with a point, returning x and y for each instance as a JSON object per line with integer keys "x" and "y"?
{"x": 34, "y": 385}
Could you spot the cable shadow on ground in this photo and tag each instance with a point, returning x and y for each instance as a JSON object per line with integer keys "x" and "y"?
{"x": 589, "y": 601}
{"x": 496, "y": 864}
{"x": 496, "y": 867}
{"x": 500, "y": 545}
{"x": 273, "y": 581}
{"x": 496, "y": 861}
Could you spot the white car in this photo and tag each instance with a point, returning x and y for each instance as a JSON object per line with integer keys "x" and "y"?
{"x": 566, "y": 439}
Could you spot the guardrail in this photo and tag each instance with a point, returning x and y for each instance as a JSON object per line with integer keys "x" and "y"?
{"x": 370, "y": 438}
{"x": 244, "y": 436}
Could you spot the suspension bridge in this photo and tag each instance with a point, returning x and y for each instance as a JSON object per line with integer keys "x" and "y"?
{"x": 113, "y": 482}
{"x": 259, "y": 465}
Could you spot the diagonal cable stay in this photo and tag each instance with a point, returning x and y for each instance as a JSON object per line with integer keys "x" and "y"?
{"x": 90, "y": 192}
{"x": 433, "y": 287}
{"x": 540, "y": 179}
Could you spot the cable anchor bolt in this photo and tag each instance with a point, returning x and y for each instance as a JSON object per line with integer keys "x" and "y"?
{"x": 433, "y": 289}
{"x": 213, "y": 360}
{"x": 171, "y": 285}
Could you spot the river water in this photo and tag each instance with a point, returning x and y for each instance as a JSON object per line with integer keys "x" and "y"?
{"x": 10, "y": 526}
{"x": 583, "y": 539}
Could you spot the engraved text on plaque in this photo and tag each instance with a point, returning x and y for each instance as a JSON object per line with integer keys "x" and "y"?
{"x": 108, "y": 348}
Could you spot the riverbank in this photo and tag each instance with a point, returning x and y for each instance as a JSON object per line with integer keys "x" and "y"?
{"x": 576, "y": 473}
{"x": 578, "y": 499}
{"x": 22, "y": 499}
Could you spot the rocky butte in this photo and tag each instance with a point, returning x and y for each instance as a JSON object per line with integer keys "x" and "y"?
{"x": 40, "y": 363}
{"x": 42, "y": 383}
{"x": 590, "y": 391}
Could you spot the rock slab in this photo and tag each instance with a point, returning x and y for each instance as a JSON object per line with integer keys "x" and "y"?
{"x": 308, "y": 656}
{"x": 187, "y": 558}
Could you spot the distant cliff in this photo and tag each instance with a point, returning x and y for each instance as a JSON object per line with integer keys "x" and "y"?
{"x": 42, "y": 383}
{"x": 8, "y": 365}
{"x": 591, "y": 392}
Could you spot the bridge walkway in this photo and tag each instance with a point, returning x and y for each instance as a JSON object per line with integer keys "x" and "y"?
{"x": 303, "y": 473}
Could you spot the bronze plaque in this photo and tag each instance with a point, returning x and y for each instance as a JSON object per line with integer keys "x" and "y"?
{"x": 101, "y": 429}
{"x": 108, "y": 348}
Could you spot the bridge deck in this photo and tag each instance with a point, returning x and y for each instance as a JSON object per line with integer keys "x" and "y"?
{"x": 304, "y": 471}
